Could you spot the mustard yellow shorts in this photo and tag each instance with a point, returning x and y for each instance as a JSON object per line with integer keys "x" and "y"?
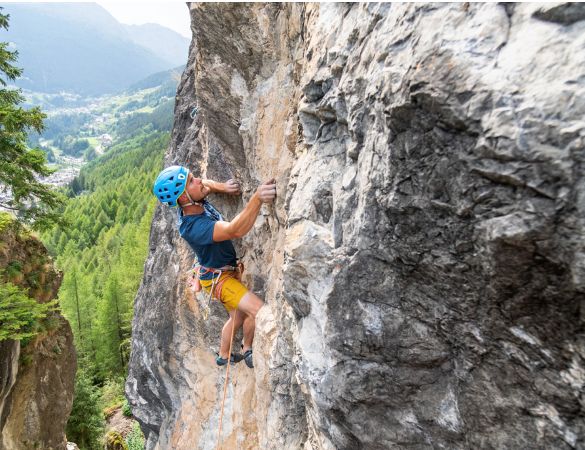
{"x": 231, "y": 293}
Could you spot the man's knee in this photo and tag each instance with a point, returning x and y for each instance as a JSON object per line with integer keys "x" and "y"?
{"x": 250, "y": 304}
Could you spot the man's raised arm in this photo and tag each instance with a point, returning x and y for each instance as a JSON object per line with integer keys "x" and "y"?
{"x": 229, "y": 187}
{"x": 244, "y": 221}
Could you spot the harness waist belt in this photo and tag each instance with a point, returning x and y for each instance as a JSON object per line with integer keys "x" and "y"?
{"x": 224, "y": 268}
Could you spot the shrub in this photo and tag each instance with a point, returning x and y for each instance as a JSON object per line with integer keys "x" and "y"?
{"x": 5, "y": 220}
{"x": 20, "y": 315}
{"x": 17, "y": 265}
{"x": 52, "y": 323}
{"x": 135, "y": 440}
{"x": 14, "y": 272}
{"x": 126, "y": 409}
{"x": 26, "y": 360}
{"x": 113, "y": 391}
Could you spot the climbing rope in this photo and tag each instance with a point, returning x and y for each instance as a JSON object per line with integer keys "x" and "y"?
{"x": 215, "y": 291}
{"x": 226, "y": 377}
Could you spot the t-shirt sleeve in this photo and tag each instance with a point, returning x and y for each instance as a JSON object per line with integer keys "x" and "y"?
{"x": 199, "y": 231}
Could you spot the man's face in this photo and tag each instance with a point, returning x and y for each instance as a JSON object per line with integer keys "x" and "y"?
{"x": 195, "y": 189}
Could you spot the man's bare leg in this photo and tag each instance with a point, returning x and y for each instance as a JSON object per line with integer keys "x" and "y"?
{"x": 249, "y": 326}
{"x": 250, "y": 304}
{"x": 227, "y": 330}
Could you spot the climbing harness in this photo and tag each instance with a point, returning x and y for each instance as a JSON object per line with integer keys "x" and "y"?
{"x": 216, "y": 284}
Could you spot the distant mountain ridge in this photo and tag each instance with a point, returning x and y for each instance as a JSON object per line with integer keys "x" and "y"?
{"x": 77, "y": 47}
{"x": 162, "y": 41}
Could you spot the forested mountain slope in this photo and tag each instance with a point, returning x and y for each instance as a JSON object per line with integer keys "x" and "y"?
{"x": 102, "y": 253}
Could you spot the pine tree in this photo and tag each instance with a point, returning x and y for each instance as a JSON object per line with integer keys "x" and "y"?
{"x": 19, "y": 164}
{"x": 86, "y": 420}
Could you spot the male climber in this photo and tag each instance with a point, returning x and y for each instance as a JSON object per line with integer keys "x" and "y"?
{"x": 210, "y": 238}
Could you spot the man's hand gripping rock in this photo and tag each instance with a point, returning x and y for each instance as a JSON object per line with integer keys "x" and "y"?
{"x": 266, "y": 192}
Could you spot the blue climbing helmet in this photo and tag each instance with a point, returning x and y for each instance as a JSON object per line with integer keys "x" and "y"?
{"x": 170, "y": 184}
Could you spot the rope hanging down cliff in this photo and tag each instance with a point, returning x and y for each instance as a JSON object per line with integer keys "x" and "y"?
{"x": 225, "y": 387}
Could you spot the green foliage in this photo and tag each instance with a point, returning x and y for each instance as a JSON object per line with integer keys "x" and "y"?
{"x": 20, "y": 166}
{"x": 57, "y": 350}
{"x": 135, "y": 440}
{"x": 60, "y": 126}
{"x": 52, "y": 323}
{"x": 18, "y": 312}
{"x": 5, "y": 221}
{"x": 90, "y": 154}
{"x": 102, "y": 254}
{"x": 25, "y": 360}
{"x": 73, "y": 147}
{"x": 113, "y": 391}
{"x": 126, "y": 409}
{"x": 86, "y": 420}
{"x": 50, "y": 154}
{"x": 134, "y": 125}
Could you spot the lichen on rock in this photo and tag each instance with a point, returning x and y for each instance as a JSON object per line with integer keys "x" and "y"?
{"x": 422, "y": 265}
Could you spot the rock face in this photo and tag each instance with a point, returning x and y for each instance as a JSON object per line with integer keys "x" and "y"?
{"x": 423, "y": 265}
{"x": 36, "y": 380}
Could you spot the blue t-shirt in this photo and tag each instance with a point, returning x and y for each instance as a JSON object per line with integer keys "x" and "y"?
{"x": 197, "y": 230}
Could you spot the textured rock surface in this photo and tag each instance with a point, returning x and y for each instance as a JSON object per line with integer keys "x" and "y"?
{"x": 423, "y": 265}
{"x": 36, "y": 381}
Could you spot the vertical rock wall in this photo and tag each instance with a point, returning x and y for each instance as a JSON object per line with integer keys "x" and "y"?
{"x": 423, "y": 265}
{"x": 37, "y": 379}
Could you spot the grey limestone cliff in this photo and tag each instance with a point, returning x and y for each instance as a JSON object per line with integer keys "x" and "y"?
{"x": 423, "y": 265}
{"x": 37, "y": 378}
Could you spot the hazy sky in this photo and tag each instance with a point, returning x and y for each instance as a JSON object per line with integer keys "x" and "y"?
{"x": 172, "y": 14}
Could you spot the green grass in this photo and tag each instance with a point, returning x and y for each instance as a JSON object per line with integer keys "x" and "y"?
{"x": 93, "y": 141}
{"x": 146, "y": 109}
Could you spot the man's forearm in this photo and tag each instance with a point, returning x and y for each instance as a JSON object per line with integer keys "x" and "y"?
{"x": 244, "y": 221}
{"x": 214, "y": 186}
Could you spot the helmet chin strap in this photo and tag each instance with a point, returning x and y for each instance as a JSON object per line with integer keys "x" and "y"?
{"x": 191, "y": 202}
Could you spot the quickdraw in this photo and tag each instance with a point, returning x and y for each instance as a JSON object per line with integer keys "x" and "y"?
{"x": 216, "y": 284}
{"x": 194, "y": 111}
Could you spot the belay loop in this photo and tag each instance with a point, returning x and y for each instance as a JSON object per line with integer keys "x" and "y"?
{"x": 216, "y": 284}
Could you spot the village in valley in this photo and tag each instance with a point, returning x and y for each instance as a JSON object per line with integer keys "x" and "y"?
{"x": 97, "y": 131}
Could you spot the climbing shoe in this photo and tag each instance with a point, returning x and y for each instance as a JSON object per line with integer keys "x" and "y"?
{"x": 236, "y": 358}
{"x": 248, "y": 358}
